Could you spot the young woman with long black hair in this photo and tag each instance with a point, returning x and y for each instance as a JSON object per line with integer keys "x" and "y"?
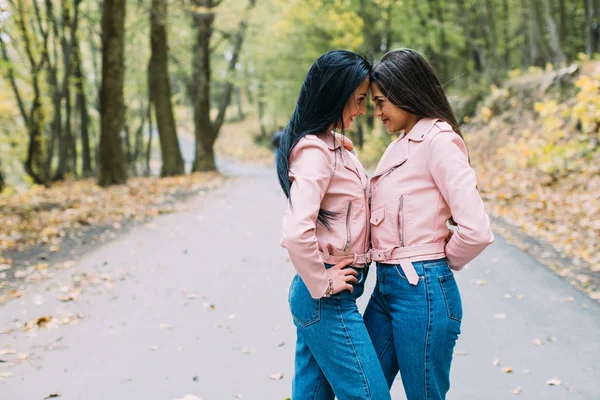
{"x": 326, "y": 232}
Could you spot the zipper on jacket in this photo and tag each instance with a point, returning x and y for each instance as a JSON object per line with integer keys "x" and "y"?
{"x": 388, "y": 173}
{"x": 348, "y": 233}
{"x": 368, "y": 216}
{"x": 401, "y": 221}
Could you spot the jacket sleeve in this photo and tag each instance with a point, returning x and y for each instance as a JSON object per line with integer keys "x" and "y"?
{"x": 310, "y": 173}
{"x": 455, "y": 178}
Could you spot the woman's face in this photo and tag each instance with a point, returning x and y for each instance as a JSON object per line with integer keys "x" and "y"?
{"x": 394, "y": 118}
{"x": 356, "y": 104}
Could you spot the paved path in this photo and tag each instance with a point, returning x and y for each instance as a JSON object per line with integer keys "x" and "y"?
{"x": 201, "y": 308}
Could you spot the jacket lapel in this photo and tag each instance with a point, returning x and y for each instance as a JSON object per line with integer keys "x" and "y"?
{"x": 395, "y": 155}
{"x": 397, "y": 152}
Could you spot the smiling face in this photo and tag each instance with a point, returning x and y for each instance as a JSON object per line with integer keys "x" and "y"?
{"x": 393, "y": 117}
{"x": 355, "y": 105}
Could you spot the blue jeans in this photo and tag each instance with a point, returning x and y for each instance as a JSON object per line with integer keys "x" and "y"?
{"x": 334, "y": 354}
{"x": 414, "y": 327}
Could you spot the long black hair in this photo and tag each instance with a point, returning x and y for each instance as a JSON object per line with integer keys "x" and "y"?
{"x": 330, "y": 82}
{"x": 409, "y": 82}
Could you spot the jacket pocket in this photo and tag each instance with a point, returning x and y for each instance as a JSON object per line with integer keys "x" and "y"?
{"x": 305, "y": 310}
{"x": 401, "y": 221}
{"x": 348, "y": 230}
{"x": 451, "y": 297}
{"x": 377, "y": 216}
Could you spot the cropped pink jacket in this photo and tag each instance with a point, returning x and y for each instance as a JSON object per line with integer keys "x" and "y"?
{"x": 422, "y": 180}
{"x": 325, "y": 176}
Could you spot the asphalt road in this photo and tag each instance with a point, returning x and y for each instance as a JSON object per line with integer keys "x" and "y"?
{"x": 195, "y": 303}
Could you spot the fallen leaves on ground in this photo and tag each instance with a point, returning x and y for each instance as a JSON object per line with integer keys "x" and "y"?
{"x": 46, "y": 215}
{"x": 52, "y": 321}
{"x": 537, "y": 156}
{"x": 276, "y": 376}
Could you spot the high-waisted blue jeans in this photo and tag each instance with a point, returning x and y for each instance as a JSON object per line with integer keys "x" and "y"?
{"x": 414, "y": 327}
{"x": 334, "y": 354}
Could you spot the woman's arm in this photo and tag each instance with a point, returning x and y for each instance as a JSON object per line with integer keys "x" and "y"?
{"x": 455, "y": 178}
{"x": 310, "y": 172}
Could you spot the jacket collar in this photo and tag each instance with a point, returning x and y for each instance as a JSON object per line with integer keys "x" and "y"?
{"x": 331, "y": 141}
{"x": 421, "y": 129}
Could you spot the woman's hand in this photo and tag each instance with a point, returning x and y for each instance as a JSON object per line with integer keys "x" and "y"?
{"x": 342, "y": 277}
{"x": 449, "y": 235}
{"x": 347, "y": 143}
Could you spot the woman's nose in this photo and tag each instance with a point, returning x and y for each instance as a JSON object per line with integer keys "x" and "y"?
{"x": 362, "y": 109}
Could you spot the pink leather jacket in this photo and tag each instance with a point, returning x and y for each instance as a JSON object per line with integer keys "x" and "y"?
{"x": 325, "y": 176}
{"x": 423, "y": 179}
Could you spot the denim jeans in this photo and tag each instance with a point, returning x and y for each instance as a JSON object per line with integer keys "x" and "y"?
{"x": 414, "y": 327}
{"x": 334, "y": 354}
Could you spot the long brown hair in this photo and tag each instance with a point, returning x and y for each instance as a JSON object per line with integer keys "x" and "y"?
{"x": 408, "y": 81}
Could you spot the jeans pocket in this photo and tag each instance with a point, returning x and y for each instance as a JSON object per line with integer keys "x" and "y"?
{"x": 402, "y": 275}
{"x": 359, "y": 288}
{"x": 304, "y": 308}
{"x": 451, "y": 297}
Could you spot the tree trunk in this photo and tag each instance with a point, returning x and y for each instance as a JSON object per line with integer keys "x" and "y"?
{"x": 203, "y": 17}
{"x": 491, "y": 26}
{"x": 558, "y": 56}
{"x": 139, "y": 137}
{"x": 84, "y": 119}
{"x": 237, "y": 47}
{"x": 67, "y": 142}
{"x": 506, "y": 18}
{"x": 261, "y": 108}
{"x": 112, "y": 108}
{"x": 370, "y": 39}
{"x": 592, "y": 27}
{"x": 150, "y": 128}
{"x": 472, "y": 50}
{"x": 238, "y": 101}
{"x": 525, "y": 49}
{"x": 33, "y": 118}
{"x": 564, "y": 27}
{"x": 2, "y": 183}
{"x": 148, "y": 170}
{"x": 596, "y": 28}
{"x": 388, "y": 31}
{"x": 160, "y": 88}
{"x": 56, "y": 125}
{"x": 540, "y": 52}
